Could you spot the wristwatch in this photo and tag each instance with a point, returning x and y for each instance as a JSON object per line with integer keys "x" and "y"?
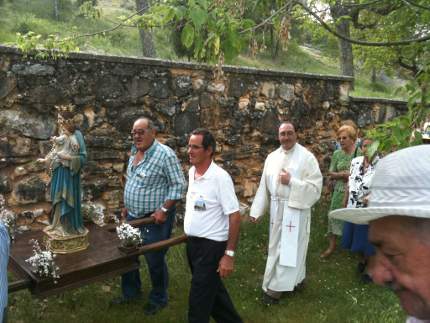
{"x": 164, "y": 209}
{"x": 229, "y": 253}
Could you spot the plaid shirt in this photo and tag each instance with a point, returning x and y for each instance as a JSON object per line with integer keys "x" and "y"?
{"x": 156, "y": 178}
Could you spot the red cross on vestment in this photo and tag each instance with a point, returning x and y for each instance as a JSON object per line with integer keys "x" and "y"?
{"x": 289, "y": 226}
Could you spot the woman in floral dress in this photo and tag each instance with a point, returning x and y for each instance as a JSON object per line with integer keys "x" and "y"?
{"x": 339, "y": 173}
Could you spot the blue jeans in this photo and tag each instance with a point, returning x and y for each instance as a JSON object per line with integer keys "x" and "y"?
{"x": 130, "y": 282}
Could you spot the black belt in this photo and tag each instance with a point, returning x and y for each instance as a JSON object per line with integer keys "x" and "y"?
{"x": 192, "y": 238}
{"x": 199, "y": 239}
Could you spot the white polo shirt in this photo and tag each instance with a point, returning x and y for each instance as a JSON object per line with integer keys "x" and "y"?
{"x": 210, "y": 201}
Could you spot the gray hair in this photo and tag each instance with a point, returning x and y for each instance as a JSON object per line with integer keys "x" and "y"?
{"x": 151, "y": 124}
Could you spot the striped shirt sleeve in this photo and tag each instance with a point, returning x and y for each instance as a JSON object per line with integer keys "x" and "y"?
{"x": 175, "y": 178}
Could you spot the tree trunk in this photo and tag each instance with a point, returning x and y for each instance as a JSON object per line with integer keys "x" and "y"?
{"x": 345, "y": 48}
{"x": 148, "y": 48}
{"x": 274, "y": 38}
{"x": 56, "y": 10}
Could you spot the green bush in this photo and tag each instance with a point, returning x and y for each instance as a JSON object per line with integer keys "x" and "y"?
{"x": 25, "y": 23}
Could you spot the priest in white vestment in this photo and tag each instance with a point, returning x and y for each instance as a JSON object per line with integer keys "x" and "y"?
{"x": 290, "y": 184}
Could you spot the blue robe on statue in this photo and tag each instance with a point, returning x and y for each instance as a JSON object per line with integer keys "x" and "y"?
{"x": 66, "y": 190}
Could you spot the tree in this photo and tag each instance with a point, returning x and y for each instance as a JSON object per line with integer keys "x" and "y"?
{"x": 397, "y": 35}
{"x": 148, "y": 48}
{"x": 339, "y": 13}
{"x": 394, "y": 31}
{"x": 56, "y": 11}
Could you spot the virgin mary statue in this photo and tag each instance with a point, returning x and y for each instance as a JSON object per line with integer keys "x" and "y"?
{"x": 65, "y": 161}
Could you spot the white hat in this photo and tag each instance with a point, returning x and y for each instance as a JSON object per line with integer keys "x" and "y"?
{"x": 400, "y": 186}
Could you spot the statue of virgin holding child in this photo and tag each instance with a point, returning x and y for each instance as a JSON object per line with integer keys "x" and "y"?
{"x": 66, "y": 231}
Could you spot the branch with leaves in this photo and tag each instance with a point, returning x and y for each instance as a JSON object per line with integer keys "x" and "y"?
{"x": 361, "y": 42}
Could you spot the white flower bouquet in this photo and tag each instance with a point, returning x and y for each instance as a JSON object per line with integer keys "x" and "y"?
{"x": 93, "y": 212}
{"x": 130, "y": 237}
{"x": 43, "y": 262}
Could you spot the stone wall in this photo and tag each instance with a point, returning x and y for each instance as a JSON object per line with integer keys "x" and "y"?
{"x": 242, "y": 106}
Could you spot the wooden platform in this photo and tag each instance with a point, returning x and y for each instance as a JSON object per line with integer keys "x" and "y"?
{"x": 101, "y": 260}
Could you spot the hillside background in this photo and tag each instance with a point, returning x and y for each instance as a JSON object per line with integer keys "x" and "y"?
{"x": 304, "y": 52}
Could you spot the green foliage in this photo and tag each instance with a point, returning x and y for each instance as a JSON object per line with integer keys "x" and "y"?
{"x": 305, "y": 30}
{"x": 52, "y": 46}
{"x": 28, "y": 42}
{"x": 372, "y": 149}
{"x": 187, "y": 35}
{"x": 405, "y": 130}
{"x": 88, "y": 10}
{"x": 395, "y": 134}
{"x": 206, "y": 28}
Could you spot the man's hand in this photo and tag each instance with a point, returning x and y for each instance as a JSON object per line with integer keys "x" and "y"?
{"x": 225, "y": 266}
{"x": 339, "y": 176}
{"x": 284, "y": 177}
{"x": 159, "y": 216}
{"x": 252, "y": 219}
{"x": 124, "y": 213}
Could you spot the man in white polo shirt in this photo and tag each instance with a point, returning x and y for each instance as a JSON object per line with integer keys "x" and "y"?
{"x": 212, "y": 224}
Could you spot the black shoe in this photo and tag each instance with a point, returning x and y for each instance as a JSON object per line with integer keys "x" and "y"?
{"x": 152, "y": 309}
{"x": 300, "y": 286}
{"x": 366, "y": 279}
{"x": 361, "y": 267}
{"x": 121, "y": 300}
{"x": 269, "y": 300}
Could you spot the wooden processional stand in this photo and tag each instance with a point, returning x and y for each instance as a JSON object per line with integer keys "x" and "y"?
{"x": 101, "y": 260}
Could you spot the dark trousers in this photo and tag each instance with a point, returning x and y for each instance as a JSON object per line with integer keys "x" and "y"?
{"x": 208, "y": 296}
{"x": 130, "y": 282}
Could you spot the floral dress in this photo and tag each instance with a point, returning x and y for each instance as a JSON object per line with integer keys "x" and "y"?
{"x": 340, "y": 162}
{"x": 355, "y": 235}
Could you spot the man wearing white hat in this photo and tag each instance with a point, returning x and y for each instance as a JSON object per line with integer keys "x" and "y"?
{"x": 399, "y": 226}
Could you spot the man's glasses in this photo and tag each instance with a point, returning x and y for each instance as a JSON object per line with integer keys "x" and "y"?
{"x": 138, "y": 132}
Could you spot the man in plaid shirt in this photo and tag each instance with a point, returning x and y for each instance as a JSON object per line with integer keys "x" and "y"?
{"x": 154, "y": 184}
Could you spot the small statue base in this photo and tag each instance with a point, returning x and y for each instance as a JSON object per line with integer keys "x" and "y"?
{"x": 66, "y": 244}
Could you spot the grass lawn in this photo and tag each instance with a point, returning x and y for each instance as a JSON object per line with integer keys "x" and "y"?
{"x": 333, "y": 292}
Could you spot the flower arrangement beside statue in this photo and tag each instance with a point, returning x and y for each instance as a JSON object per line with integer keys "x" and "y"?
{"x": 43, "y": 262}
{"x": 129, "y": 237}
{"x": 92, "y": 212}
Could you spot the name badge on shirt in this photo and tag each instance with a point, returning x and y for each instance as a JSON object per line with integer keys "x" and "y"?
{"x": 199, "y": 204}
